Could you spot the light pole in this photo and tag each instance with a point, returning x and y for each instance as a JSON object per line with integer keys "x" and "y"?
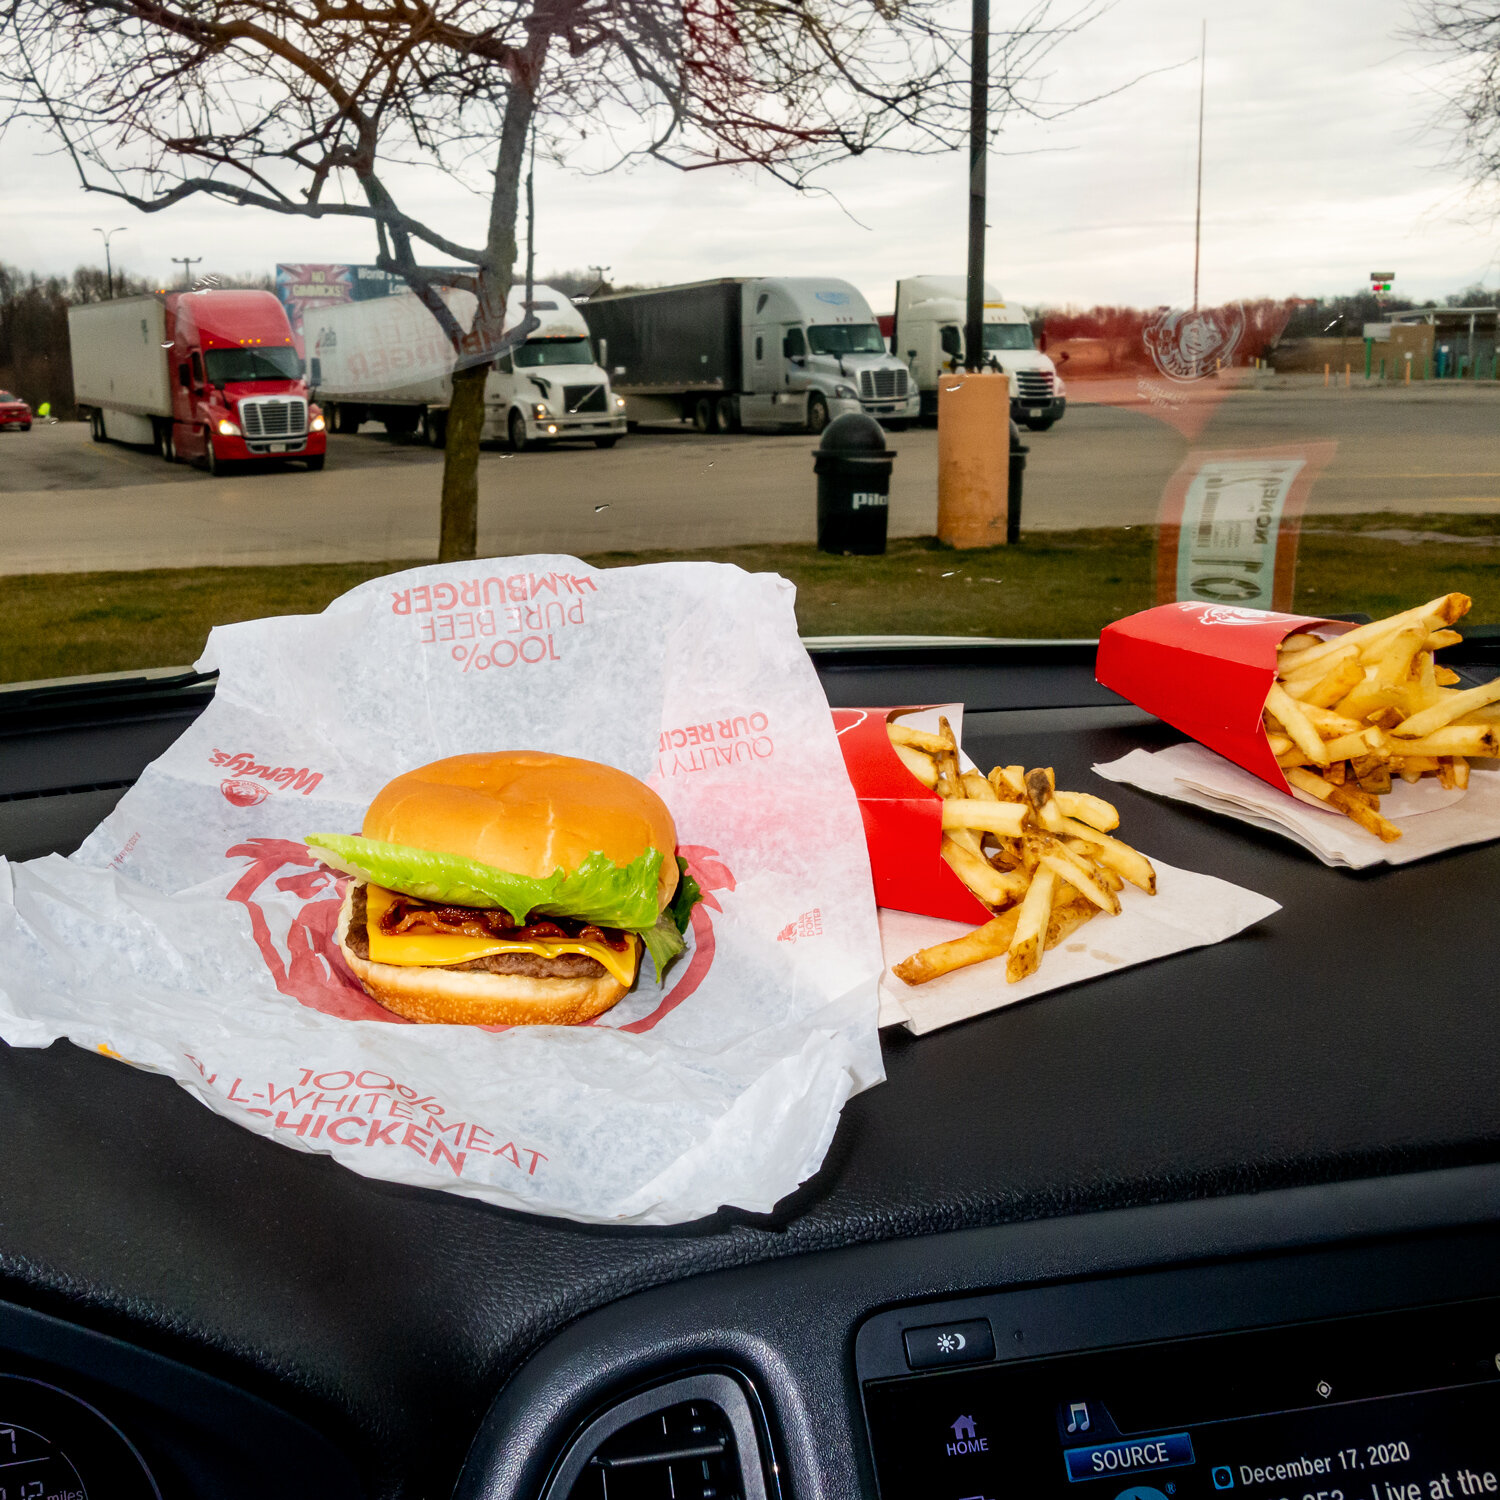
{"x": 979, "y": 99}
{"x": 109, "y": 270}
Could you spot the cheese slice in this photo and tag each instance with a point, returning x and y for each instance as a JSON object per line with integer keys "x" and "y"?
{"x": 433, "y": 949}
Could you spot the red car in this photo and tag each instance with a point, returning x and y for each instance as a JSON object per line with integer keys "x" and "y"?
{"x": 14, "y": 412}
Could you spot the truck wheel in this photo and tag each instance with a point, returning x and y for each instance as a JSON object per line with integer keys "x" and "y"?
{"x": 169, "y": 443}
{"x": 516, "y": 429}
{"x": 817, "y": 414}
{"x": 96, "y": 425}
{"x": 726, "y": 414}
{"x": 210, "y": 458}
{"x": 316, "y": 462}
{"x": 1040, "y": 424}
{"x": 346, "y": 419}
{"x": 705, "y": 419}
{"x": 606, "y": 442}
{"x": 434, "y": 428}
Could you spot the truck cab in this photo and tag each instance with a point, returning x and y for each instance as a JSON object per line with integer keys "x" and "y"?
{"x": 813, "y": 351}
{"x": 552, "y": 386}
{"x": 237, "y": 386}
{"x": 928, "y": 334}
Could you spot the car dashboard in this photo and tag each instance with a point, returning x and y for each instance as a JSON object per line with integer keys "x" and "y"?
{"x": 1228, "y": 1221}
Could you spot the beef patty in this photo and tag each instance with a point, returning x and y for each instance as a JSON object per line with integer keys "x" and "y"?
{"x": 533, "y": 965}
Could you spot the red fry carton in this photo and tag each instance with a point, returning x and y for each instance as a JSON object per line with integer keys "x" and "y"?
{"x": 1205, "y": 669}
{"x": 903, "y": 820}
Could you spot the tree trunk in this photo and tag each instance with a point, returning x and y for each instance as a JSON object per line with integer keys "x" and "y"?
{"x": 458, "y": 539}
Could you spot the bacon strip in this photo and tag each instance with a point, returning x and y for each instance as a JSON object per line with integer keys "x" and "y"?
{"x": 407, "y": 915}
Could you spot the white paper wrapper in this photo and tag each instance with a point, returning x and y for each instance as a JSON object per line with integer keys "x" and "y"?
{"x": 1431, "y": 819}
{"x": 191, "y": 935}
{"x": 1187, "y": 911}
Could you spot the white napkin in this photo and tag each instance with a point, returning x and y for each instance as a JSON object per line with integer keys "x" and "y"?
{"x": 1428, "y": 815}
{"x": 1188, "y": 911}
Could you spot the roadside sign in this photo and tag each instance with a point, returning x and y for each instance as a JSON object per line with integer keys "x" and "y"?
{"x": 1382, "y": 275}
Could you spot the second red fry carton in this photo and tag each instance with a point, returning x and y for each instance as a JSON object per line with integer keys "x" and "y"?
{"x": 1205, "y": 669}
{"x": 903, "y": 820}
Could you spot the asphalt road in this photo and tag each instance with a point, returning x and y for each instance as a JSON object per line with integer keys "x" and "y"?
{"x": 72, "y": 505}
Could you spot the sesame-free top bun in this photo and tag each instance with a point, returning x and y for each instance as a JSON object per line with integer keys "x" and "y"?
{"x": 527, "y": 812}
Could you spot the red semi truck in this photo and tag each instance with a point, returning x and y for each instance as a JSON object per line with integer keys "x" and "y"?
{"x": 212, "y": 377}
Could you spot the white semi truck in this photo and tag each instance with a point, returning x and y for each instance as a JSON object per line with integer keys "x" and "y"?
{"x": 386, "y": 360}
{"x": 749, "y": 352}
{"x": 928, "y": 333}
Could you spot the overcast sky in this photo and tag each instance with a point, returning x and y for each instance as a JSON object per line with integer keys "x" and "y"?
{"x": 1321, "y": 165}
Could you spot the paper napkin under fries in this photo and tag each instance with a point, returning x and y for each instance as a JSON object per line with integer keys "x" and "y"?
{"x": 1431, "y": 818}
{"x": 1188, "y": 911}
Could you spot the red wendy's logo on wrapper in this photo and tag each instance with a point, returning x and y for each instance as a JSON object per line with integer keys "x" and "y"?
{"x": 244, "y": 793}
{"x": 1189, "y": 345}
{"x": 306, "y": 966}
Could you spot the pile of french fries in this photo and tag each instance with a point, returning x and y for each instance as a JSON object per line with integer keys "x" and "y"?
{"x": 1041, "y": 859}
{"x": 1347, "y": 714}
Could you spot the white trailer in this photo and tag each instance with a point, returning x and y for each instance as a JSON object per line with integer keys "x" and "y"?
{"x": 386, "y": 360}
{"x": 928, "y": 333}
{"x": 120, "y": 367}
{"x": 783, "y": 351}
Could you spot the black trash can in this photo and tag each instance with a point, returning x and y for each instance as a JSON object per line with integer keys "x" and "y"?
{"x": 1018, "y": 452}
{"x": 853, "y": 466}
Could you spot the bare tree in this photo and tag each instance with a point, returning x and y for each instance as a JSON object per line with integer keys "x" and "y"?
{"x": 1468, "y": 32}
{"x": 311, "y": 108}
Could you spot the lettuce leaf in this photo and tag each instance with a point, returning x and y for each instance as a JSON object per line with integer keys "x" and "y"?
{"x": 599, "y": 890}
{"x": 689, "y": 894}
{"x": 664, "y": 943}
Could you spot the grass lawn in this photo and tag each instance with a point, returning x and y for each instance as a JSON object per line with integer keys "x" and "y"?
{"x": 1063, "y": 583}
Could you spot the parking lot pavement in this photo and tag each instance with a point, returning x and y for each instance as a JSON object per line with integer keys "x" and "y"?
{"x": 73, "y": 505}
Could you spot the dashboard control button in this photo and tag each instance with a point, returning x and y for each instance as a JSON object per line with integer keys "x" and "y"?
{"x": 949, "y": 1344}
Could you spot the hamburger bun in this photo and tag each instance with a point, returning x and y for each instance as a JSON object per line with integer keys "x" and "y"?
{"x": 527, "y": 812}
{"x": 466, "y": 998}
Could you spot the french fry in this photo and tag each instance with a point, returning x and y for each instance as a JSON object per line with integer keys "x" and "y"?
{"x": 1114, "y": 855}
{"x": 993, "y": 887}
{"x": 921, "y": 766}
{"x": 1031, "y": 927}
{"x": 1296, "y": 724}
{"x": 1006, "y": 818}
{"x": 917, "y": 739}
{"x": 988, "y": 941}
{"x": 1366, "y": 816}
{"x": 1082, "y": 882}
{"x": 1067, "y": 919}
{"x": 1453, "y": 739}
{"x": 1448, "y": 708}
{"x": 1094, "y": 811}
{"x": 976, "y": 786}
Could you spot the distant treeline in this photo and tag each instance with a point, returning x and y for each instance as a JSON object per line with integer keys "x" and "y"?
{"x": 35, "y": 361}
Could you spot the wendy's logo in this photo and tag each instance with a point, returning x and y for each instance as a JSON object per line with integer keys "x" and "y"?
{"x": 244, "y": 793}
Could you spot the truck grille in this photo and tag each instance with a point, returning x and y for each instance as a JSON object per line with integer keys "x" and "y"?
{"x": 1033, "y": 386}
{"x": 583, "y": 398}
{"x": 273, "y": 416}
{"x": 882, "y": 385}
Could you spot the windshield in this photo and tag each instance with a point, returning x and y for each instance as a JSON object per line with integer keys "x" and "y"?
{"x": 224, "y": 365}
{"x": 536, "y": 352}
{"x": 845, "y": 338}
{"x": 1008, "y": 336}
{"x": 1281, "y": 392}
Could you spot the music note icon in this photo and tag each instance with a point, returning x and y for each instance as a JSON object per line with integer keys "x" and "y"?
{"x": 1078, "y": 1416}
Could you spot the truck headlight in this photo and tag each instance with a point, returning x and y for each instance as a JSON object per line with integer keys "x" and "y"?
{"x": 846, "y": 393}
{"x": 620, "y": 403}
{"x": 228, "y": 428}
{"x": 539, "y": 410}
{"x": 318, "y": 424}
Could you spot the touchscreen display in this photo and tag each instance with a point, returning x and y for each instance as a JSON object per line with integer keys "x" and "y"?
{"x": 1400, "y": 1406}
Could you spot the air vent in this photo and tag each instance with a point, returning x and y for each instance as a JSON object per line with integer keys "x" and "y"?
{"x": 691, "y": 1439}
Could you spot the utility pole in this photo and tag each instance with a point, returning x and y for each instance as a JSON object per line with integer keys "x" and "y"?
{"x": 979, "y": 100}
{"x": 187, "y": 262}
{"x": 109, "y": 269}
{"x": 1198, "y": 210}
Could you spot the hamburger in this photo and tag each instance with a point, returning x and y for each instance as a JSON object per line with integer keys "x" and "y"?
{"x": 514, "y": 888}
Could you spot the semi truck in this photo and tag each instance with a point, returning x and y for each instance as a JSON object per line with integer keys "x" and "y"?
{"x": 749, "y": 352}
{"x": 212, "y": 377}
{"x": 927, "y": 332}
{"x": 388, "y": 361}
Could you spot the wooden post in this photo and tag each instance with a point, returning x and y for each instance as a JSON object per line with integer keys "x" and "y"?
{"x": 1326, "y": 368}
{"x": 973, "y": 459}
{"x": 1346, "y": 376}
